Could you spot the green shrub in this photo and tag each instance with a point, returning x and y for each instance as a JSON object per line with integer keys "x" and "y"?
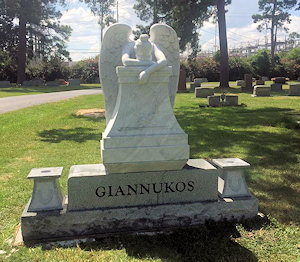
{"x": 87, "y": 70}
{"x": 8, "y": 67}
{"x": 261, "y": 63}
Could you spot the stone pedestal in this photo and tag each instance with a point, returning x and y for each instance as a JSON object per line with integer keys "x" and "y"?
{"x": 261, "y": 90}
{"x": 46, "y": 193}
{"x": 294, "y": 90}
{"x": 182, "y": 82}
{"x": 276, "y": 87}
{"x": 231, "y": 100}
{"x": 203, "y": 92}
{"x": 214, "y": 101}
{"x": 232, "y": 182}
{"x": 143, "y": 133}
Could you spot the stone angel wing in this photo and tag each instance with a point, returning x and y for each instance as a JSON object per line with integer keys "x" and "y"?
{"x": 115, "y": 38}
{"x": 166, "y": 39}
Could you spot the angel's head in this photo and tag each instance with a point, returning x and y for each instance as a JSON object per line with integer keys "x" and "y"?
{"x": 143, "y": 48}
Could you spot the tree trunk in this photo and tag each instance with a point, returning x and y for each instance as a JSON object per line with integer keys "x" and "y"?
{"x": 224, "y": 64}
{"x": 273, "y": 35}
{"x": 21, "y": 50}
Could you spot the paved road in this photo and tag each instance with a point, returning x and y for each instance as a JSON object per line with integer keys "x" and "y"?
{"x": 13, "y": 103}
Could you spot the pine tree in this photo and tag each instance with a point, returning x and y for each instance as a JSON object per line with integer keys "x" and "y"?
{"x": 273, "y": 15}
{"x": 38, "y": 22}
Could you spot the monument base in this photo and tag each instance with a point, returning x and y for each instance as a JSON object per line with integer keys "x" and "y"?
{"x": 100, "y": 204}
{"x": 62, "y": 225}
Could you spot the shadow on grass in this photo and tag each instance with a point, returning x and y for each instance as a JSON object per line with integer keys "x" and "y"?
{"x": 262, "y": 135}
{"x": 213, "y": 241}
{"x": 79, "y": 135}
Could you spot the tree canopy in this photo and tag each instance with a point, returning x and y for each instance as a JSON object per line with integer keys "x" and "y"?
{"x": 273, "y": 15}
{"x": 185, "y": 16}
{"x": 31, "y": 29}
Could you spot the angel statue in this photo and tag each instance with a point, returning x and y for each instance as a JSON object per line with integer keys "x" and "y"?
{"x": 118, "y": 49}
{"x": 139, "y": 80}
{"x": 144, "y": 51}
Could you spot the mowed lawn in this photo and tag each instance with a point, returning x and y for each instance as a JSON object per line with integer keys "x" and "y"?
{"x": 31, "y": 90}
{"x": 263, "y": 131}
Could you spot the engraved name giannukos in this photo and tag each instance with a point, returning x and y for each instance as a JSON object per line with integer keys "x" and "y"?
{"x": 140, "y": 189}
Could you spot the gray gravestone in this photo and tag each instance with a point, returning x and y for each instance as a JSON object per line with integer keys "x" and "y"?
{"x": 203, "y": 92}
{"x": 259, "y": 82}
{"x": 248, "y": 83}
{"x": 214, "y": 101}
{"x": 261, "y": 90}
{"x": 5, "y": 84}
{"x": 74, "y": 82}
{"x": 52, "y": 83}
{"x": 231, "y": 100}
{"x": 240, "y": 82}
{"x": 276, "y": 87}
{"x": 294, "y": 90}
{"x": 34, "y": 82}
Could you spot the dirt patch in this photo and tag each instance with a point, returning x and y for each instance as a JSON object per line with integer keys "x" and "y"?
{"x": 94, "y": 113}
{"x": 5, "y": 177}
{"x": 26, "y": 158}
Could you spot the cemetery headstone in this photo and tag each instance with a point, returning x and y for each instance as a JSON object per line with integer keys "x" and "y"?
{"x": 203, "y": 92}
{"x": 280, "y": 80}
{"x": 248, "y": 83}
{"x": 74, "y": 82}
{"x": 34, "y": 82}
{"x": 231, "y": 100}
{"x": 294, "y": 90}
{"x": 52, "y": 83}
{"x": 240, "y": 82}
{"x": 182, "y": 82}
{"x": 5, "y": 84}
{"x": 214, "y": 101}
{"x": 259, "y": 82}
{"x": 276, "y": 87}
{"x": 261, "y": 90}
{"x": 146, "y": 181}
{"x": 193, "y": 86}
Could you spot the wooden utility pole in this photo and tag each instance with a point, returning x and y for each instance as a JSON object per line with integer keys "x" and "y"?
{"x": 224, "y": 64}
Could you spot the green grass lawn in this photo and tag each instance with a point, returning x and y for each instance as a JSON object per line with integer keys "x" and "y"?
{"x": 263, "y": 132}
{"x": 30, "y": 90}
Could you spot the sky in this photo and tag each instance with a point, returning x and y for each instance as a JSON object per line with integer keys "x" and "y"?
{"x": 241, "y": 31}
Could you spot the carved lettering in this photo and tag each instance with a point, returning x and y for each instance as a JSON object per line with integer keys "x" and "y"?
{"x": 141, "y": 189}
{"x": 100, "y": 191}
{"x": 120, "y": 190}
{"x": 168, "y": 187}
{"x": 180, "y": 186}
{"x": 129, "y": 187}
{"x": 191, "y": 185}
